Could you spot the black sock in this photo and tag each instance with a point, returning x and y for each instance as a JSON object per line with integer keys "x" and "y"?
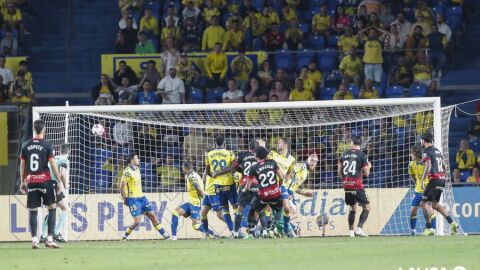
{"x": 52, "y": 216}
{"x": 205, "y": 224}
{"x": 363, "y": 218}
{"x": 429, "y": 225}
{"x": 263, "y": 222}
{"x": 33, "y": 222}
{"x": 251, "y": 219}
{"x": 449, "y": 219}
{"x": 351, "y": 219}
{"x": 238, "y": 221}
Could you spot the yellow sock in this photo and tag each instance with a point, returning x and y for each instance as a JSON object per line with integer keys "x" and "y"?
{"x": 158, "y": 227}
{"x": 129, "y": 231}
{"x": 196, "y": 226}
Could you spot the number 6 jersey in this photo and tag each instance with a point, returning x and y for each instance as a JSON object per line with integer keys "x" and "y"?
{"x": 36, "y": 153}
{"x": 353, "y": 161}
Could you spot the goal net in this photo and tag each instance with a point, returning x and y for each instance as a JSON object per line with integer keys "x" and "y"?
{"x": 166, "y": 135}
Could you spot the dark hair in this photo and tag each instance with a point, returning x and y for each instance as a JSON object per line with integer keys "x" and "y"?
{"x": 219, "y": 140}
{"x": 357, "y": 140}
{"x": 152, "y": 62}
{"x": 416, "y": 150}
{"x": 23, "y": 63}
{"x": 64, "y": 148}
{"x": 146, "y": 81}
{"x": 187, "y": 164}
{"x": 131, "y": 157}
{"x": 427, "y": 137}
{"x": 38, "y": 126}
{"x": 252, "y": 145}
{"x": 122, "y": 62}
{"x": 261, "y": 152}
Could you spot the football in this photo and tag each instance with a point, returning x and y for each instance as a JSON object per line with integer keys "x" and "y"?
{"x": 322, "y": 220}
{"x": 98, "y": 130}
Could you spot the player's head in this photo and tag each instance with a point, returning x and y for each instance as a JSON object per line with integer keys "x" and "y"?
{"x": 283, "y": 144}
{"x": 426, "y": 139}
{"x": 416, "y": 152}
{"x": 219, "y": 141}
{"x": 312, "y": 161}
{"x": 187, "y": 166}
{"x": 39, "y": 127}
{"x": 261, "y": 153}
{"x": 356, "y": 141}
{"x": 133, "y": 159}
{"x": 252, "y": 145}
{"x": 65, "y": 149}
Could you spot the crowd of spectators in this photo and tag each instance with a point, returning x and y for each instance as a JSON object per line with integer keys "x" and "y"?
{"x": 338, "y": 49}
{"x": 467, "y": 158}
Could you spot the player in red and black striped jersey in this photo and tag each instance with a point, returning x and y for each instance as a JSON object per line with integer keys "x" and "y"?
{"x": 35, "y": 178}
{"x": 246, "y": 189}
{"x": 435, "y": 171}
{"x": 352, "y": 166}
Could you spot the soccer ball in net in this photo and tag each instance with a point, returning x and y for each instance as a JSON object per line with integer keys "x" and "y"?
{"x": 98, "y": 130}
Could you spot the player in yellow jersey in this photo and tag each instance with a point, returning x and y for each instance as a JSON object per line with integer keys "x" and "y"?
{"x": 132, "y": 195}
{"x": 194, "y": 184}
{"x": 210, "y": 201}
{"x": 219, "y": 165}
{"x": 416, "y": 168}
{"x": 294, "y": 184}
{"x": 285, "y": 163}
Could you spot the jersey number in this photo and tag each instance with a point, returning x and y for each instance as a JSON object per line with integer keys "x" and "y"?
{"x": 440, "y": 164}
{"x": 222, "y": 163}
{"x": 248, "y": 165}
{"x": 34, "y": 162}
{"x": 267, "y": 179}
{"x": 349, "y": 167}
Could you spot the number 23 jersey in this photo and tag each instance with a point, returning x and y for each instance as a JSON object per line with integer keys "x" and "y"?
{"x": 353, "y": 161}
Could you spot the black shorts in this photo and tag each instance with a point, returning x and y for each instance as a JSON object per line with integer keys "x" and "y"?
{"x": 258, "y": 205}
{"x": 41, "y": 193}
{"x": 433, "y": 191}
{"x": 353, "y": 197}
{"x": 245, "y": 197}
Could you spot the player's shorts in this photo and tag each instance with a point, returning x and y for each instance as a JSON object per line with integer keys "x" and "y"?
{"x": 417, "y": 198}
{"x": 353, "y": 197}
{"x": 191, "y": 210}
{"x": 39, "y": 193}
{"x": 245, "y": 198}
{"x": 138, "y": 206}
{"x": 227, "y": 194}
{"x": 211, "y": 201}
{"x": 284, "y": 192}
{"x": 433, "y": 191}
{"x": 60, "y": 196}
{"x": 258, "y": 205}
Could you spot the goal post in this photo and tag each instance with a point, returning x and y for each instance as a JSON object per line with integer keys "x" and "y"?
{"x": 166, "y": 135}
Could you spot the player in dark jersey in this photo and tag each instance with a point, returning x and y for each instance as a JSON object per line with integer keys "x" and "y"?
{"x": 36, "y": 154}
{"x": 269, "y": 193}
{"x": 435, "y": 171}
{"x": 352, "y": 166}
{"x": 244, "y": 162}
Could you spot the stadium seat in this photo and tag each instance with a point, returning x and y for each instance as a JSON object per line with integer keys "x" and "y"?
{"x": 438, "y": 9}
{"x": 454, "y": 11}
{"x": 283, "y": 60}
{"x": 418, "y": 90}
{"x": 316, "y": 42}
{"x": 258, "y": 44}
{"x": 315, "y": 4}
{"x": 197, "y": 95}
{"x": 464, "y": 175}
{"x": 328, "y": 176}
{"x": 327, "y": 60}
{"x": 475, "y": 146}
{"x": 327, "y": 93}
{"x": 309, "y": 14}
{"x": 304, "y": 58}
{"x": 377, "y": 179}
{"x": 395, "y": 91}
{"x": 354, "y": 89}
{"x": 303, "y": 27}
{"x": 455, "y": 23}
{"x": 175, "y": 3}
{"x": 155, "y": 7}
{"x": 332, "y": 41}
{"x": 214, "y": 95}
{"x": 258, "y": 4}
{"x": 149, "y": 176}
{"x": 400, "y": 132}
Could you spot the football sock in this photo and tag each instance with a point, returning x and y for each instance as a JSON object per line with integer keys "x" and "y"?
{"x": 199, "y": 227}
{"x": 205, "y": 223}
{"x": 33, "y": 223}
{"x": 286, "y": 221}
{"x": 363, "y": 218}
{"x": 160, "y": 228}
{"x": 429, "y": 225}
{"x": 52, "y": 216}
{"x": 228, "y": 220}
{"x": 174, "y": 224}
{"x": 61, "y": 220}
{"x": 128, "y": 232}
{"x": 351, "y": 219}
{"x": 238, "y": 221}
{"x": 45, "y": 227}
{"x": 449, "y": 219}
{"x": 434, "y": 221}
{"x": 413, "y": 222}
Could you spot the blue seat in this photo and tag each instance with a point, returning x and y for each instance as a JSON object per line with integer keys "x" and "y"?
{"x": 303, "y": 27}
{"x": 215, "y": 95}
{"x": 354, "y": 89}
{"x": 258, "y": 44}
{"x": 283, "y": 60}
{"x": 418, "y": 90}
{"x": 400, "y": 132}
{"x": 309, "y": 14}
{"x": 332, "y": 41}
{"x": 154, "y": 6}
{"x": 454, "y": 11}
{"x": 197, "y": 95}
{"x": 377, "y": 179}
{"x": 327, "y": 93}
{"x": 327, "y": 60}
{"x": 149, "y": 176}
{"x": 455, "y": 23}
{"x": 464, "y": 175}
{"x": 316, "y": 3}
{"x": 438, "y": 9}
{"x": 304, "y": 58}
{"x": 174, "y": 3}
{"x": 316, "y": 42}
{"x": 395, "y": 91}
{"x": 475, "y": 146}
{"x": 258, "y": 4}
{"x": 328, "y": 176}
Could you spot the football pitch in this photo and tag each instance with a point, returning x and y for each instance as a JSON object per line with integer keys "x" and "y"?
{"x": 302, "y": 253}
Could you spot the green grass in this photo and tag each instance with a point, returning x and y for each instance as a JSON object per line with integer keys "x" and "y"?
{"x": 298, "y": 254}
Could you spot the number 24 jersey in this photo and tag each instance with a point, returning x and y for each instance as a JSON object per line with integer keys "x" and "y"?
{"x": 353, "y": 161}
